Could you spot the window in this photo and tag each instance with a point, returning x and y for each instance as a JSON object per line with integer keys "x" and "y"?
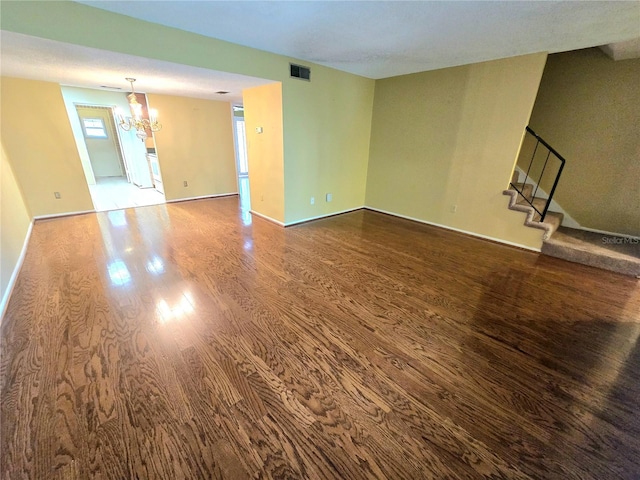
{"x": 94, "y": 128}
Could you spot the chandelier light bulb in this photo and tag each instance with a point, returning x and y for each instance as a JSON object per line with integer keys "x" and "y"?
{"x": 137, "y": 120}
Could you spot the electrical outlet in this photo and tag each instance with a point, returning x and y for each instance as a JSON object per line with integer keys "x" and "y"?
{"x": 329, "y": 197}
{"x": 185, "y": 184}
{"x": 454, "y": 208}
{"x": 313, "y": 200}
{"x": 57, "y": 195}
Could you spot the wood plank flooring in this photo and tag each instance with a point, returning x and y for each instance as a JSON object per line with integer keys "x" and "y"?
{"x": 184, "y": 341}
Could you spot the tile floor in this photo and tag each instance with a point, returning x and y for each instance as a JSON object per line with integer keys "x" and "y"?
{"x": 113, "y": 193}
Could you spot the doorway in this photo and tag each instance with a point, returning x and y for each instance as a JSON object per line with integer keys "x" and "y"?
{"x": 121, "y": 166}
{"x": 103, "y": 144}
{"x": 242, "y": 163}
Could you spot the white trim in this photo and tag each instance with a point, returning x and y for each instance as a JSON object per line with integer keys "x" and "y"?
{"x": 14, "y": 276}
{"x": 65, "y": 214}
{"x": 318, "y": 217}
{"x": 262, "y": 215}
{"x": 202, "y": 197}
{"x": 604, "y": 232}
{"x": 446, "y": 227}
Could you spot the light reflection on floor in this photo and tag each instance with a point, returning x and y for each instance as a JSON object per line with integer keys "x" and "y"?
{"x": 177, "y": 311}
{"x": 245, "y": 199}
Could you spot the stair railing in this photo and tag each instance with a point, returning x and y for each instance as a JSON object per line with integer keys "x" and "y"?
{"x": 536, "y": 171}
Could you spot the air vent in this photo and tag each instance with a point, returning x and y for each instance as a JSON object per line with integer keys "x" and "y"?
{"x": 298, "y": 71}
{"x": 221, "y": 92}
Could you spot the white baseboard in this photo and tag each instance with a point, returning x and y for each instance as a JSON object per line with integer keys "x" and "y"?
{"x": 266, "y": 217}
{"x": 188, "y": 199}
{"x": 318, "y": 217}
{"x": 604, "y": 232}
{"x": 65, "y": 214}
{"x": 14, "y": 276}
{"x": 446, "y": 227}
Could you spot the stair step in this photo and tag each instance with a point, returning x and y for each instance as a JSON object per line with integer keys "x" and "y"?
{"x": 588, "y": 248}
{"x": 538, "y": 202}
{"x": 554, "y": 219}
{"x": 526, "y": 189}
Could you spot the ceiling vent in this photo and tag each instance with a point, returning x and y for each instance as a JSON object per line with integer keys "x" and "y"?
{"x": 221, "y": 92}
{"x": 298, "y": 71}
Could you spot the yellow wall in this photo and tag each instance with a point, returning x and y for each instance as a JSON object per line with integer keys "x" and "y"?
{"x": 195, "y": 145}
{"x": 39, "y": 143}
{"x": 450, "y": 138}
{"x": 265, "y": 151}
{"x": 326, "y": 143}
{"x": 14, "y": 222}
{"x": 588, "y": 108}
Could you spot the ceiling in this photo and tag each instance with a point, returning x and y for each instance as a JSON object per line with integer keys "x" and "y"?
{"x": 35, "y": 58}
{"x": 379, "y": 39}
{"x": 373, "y": 39}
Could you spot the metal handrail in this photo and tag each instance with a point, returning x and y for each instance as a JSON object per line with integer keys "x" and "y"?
{"x": 539, "y": 141}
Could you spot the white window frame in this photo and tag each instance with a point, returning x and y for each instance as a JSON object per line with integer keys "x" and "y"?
{"x": 92, "y": 131}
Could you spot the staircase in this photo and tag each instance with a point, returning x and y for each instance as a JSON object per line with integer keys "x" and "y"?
{"x": 619, "y": 254}
{"x": 524, "y": 201}
{"x": 609, "y": 252}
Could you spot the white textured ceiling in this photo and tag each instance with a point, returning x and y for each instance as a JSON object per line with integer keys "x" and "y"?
{"x": 374, "y": 39}
{"x": 35, "y": 58}
{"x": 386, "y": 38}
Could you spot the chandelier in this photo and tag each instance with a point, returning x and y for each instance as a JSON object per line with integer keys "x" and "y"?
{"x": 136, "y": 120}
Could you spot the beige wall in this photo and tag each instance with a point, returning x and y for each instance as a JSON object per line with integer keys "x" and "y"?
{"x": 449, "y": 139}
{"x": 195, "y": 145}
{"x": 326, "y": 146}
{"x": 265, "y": 151}
{"x": 14, "y": 223}
{"x": 39, "y": 143}
{"x": 588, "y": 108}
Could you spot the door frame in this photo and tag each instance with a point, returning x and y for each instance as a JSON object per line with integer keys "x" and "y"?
{"x": 236, "y": 120}
{"x": 116, "y": 138}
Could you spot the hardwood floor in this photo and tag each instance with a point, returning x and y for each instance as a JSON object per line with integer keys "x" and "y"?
{"x": 184, "y": 341}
